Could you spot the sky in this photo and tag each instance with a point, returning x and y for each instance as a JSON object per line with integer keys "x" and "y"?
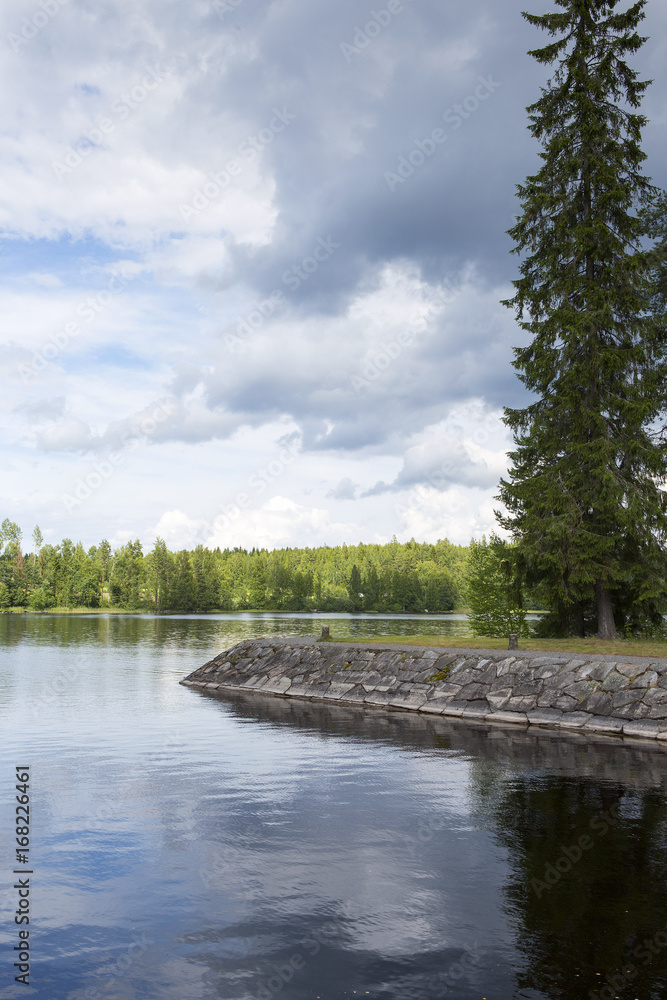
{"x": 252, "y": 259}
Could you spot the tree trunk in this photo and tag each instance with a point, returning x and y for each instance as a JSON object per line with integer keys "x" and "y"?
{"x": 606, "y": 623}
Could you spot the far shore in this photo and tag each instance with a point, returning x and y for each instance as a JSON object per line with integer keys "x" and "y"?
{"x": 589, "y": 646}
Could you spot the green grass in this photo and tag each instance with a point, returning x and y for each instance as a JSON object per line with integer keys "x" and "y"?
{"x": 70, "y": 611}
{"x": 591, "y": 646}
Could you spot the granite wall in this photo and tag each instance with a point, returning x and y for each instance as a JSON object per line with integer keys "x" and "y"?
{"x": 604, "y": 695}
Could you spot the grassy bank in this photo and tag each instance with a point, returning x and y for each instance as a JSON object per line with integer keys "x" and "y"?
{"x": 71, "y": 611}
{"x": 591, "y": 646}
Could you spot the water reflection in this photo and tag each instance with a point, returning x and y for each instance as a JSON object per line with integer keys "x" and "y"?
{"x": 587, "y": 885}
{"x": 216, "y": 631}
{"x": 584, "y": 824}
{"x": 240, "y": 847}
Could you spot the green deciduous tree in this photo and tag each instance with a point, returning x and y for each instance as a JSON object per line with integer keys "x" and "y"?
{"x": 583, "y": 497}
{"x": 494, "y": 596}
{"x": 127, "y": 576}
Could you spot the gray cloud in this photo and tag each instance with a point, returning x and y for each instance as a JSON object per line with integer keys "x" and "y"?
{"x": 357, "y": 169}
{"x": 345, "y": 490}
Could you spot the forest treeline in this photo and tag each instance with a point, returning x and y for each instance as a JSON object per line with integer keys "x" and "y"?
{"x": 393, "y": 577}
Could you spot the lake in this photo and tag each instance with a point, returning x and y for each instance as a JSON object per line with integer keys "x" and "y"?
{"x": 190, "y": 847}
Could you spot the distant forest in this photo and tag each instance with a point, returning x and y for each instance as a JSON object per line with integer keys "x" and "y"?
{"x": 394, "y": 577}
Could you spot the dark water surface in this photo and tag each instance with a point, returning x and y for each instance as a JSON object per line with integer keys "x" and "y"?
{"x": 188, "y": 846}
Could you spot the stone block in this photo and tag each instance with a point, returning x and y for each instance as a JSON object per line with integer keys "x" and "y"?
{"x": 443, "y": 689}
{"x": 642, "y": 728}
{"x": 548, "y": 699}
{"x": 255, "y": 681}
{"x": 638, "y": 710}
{"x": 614, "y": 682}
{"x": 317, "y": 689}
{"x": 559, "y": 681}
{"x": 521, "y": 703}
{"x": 658, "y": 712}
{"x": 581, "y": 689}
{"x": 603, "y": 724}
{"x": 527, "y": 688}
{"x": 475, "y": 710}
{"x": 465, "y": 677}
{"x": 523, "y": 674}
{"x": 498, "y": 699}
{"x": 469, "y": 692}
{"x": 517, "y": 718}
{"x": 648, "y": 679}
{"x": 655, "y": 696}
{"x": 622, "y": 698}
{"x": 337, "y": 690}
{"x": 455, "y": 708}
{"x": 411, "y": 699}
{"x": 574, "y": 720}
{"x": 378, "y": 698}
{"x": 372, "y": 678}
{"x": 598, "y": 703}
{"x": 548, "y": 670}
{"x": 355, "y": 695}
{"x": 505, "y": 666}
{"x": 596, "y": 670}
{"x": 277, "y": 685}
{"x": 631, "y": 670}
{"x": 544, "y": 716}
{"x": 434, "y": 706}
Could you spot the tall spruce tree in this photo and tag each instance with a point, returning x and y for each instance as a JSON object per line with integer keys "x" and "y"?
{"x": 583, "y": 497}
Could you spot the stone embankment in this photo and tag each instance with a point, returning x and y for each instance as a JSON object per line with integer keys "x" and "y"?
{"x": 603, "y": 695}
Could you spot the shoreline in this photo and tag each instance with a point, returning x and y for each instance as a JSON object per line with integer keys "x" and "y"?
{"x": 600, "y": 694}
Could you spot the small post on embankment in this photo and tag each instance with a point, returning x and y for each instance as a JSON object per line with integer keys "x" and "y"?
{"x": 325, "y": 632}
{"x": 514, "y": 641}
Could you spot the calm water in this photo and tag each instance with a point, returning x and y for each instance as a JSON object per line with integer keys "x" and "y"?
{"x": 186, "y": 846}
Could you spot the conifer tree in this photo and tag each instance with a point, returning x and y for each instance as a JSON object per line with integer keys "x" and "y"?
{"x": 583, "y": 497}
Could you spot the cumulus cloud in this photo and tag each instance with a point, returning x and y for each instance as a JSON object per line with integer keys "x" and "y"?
{"x": 278, "y": 523}
{"x": 268, "y": 224}
{"x": 469, "y": 448}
